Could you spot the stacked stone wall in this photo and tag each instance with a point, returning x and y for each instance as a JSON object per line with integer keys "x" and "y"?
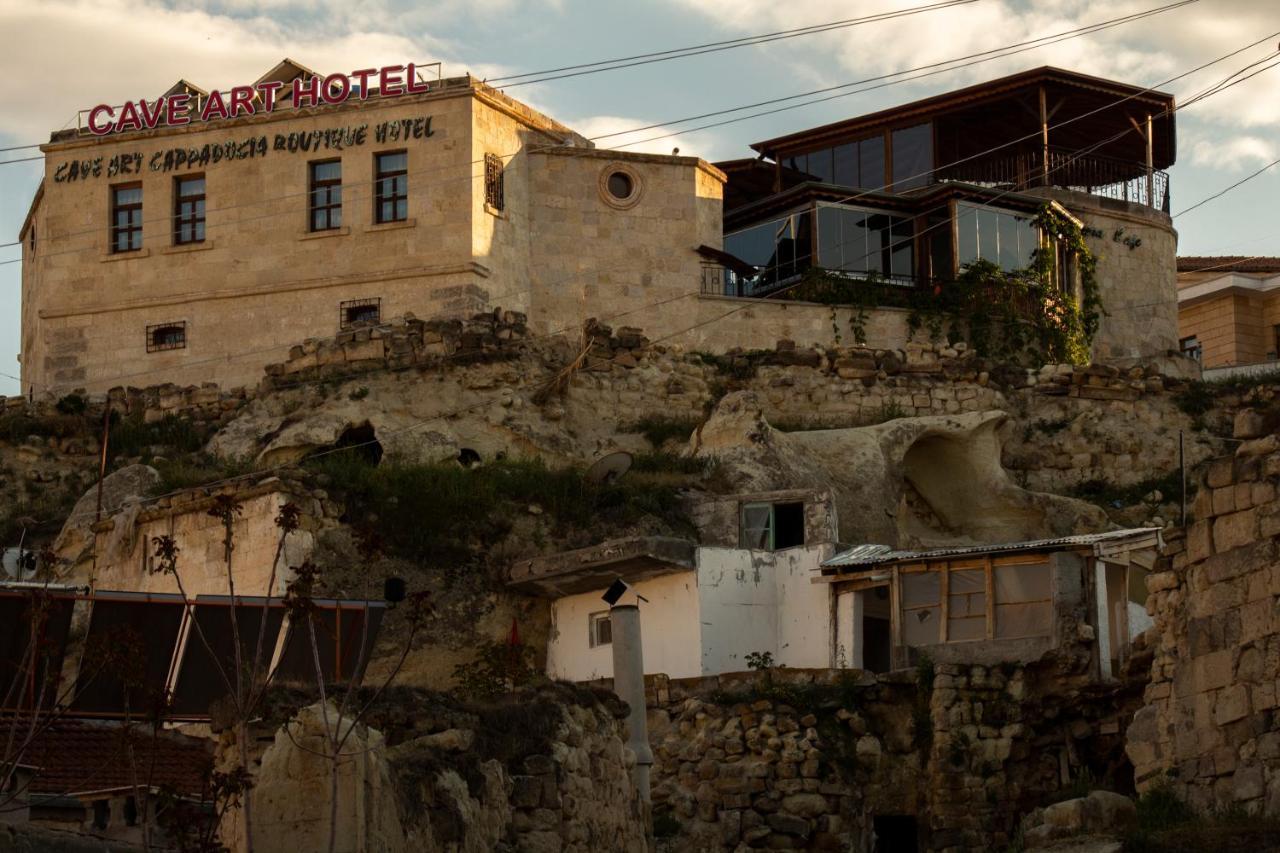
{"x": 1210, "y": 726}
{"x": 809, "y": 759}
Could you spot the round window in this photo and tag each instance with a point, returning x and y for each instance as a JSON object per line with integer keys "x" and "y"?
{"x": 621, "y": 186}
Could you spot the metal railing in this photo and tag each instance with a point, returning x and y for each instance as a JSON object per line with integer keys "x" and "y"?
{"x": 1094, "y": 174}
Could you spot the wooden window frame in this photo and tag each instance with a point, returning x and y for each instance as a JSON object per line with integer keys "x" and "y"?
{"x": 382, "y": 194}
{"x": 192, "y": 219}
{"x": 153, "y": 346}
{"x": 129, "y": 229}
{"x": 593, "y": 637}
{"x": 327, "y": 185}
{"x": 988, "y": 566}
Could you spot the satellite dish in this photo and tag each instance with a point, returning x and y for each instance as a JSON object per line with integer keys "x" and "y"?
{"x": 609, "y": 467}
{"x": 17, "y": 560}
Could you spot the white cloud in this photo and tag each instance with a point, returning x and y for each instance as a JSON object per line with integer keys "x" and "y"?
{"x": 653, "y": 141}
{"x": 1145, "y": 52}
{"x": 1234, "y": 154}
{"x": 66, "y": 55}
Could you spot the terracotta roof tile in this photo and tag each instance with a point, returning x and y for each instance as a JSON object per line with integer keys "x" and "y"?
{"x": 1227, "y": 263}
{"x": 76, "y": 757}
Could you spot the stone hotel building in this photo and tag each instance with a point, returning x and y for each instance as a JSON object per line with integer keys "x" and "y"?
{"x": 201, "y": 251}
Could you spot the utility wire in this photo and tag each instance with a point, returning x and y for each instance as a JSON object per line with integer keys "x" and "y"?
{"x": 678, "y": 53}
{"x": 1226, "y": 190}
{"x": 257, "y": 202}
{"x": 715, "y": 47}
{"x": 994, "y": 53}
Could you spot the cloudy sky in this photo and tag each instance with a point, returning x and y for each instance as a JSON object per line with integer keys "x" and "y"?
{"x": 60, "y": 56}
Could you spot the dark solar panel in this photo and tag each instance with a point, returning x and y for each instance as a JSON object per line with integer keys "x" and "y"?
{"x": 343, "y": 642}
{"x": 32, "y": 621}
{"x": 128, "y": 651}
{"x": 204, "y": 679}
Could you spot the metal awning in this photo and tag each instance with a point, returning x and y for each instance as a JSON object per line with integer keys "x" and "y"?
{"x": 1101, "y": 544}
{"x": 586, "y": 569}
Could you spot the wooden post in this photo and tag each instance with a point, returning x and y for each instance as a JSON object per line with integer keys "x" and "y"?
{"x": 1044, "y": 139}
{"x": 1151, "y": 174}
{"x": 102, "y": 461}
{"x": 989, "y": 580}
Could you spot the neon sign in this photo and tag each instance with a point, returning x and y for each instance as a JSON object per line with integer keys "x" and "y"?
{"x": 178, "y": 109}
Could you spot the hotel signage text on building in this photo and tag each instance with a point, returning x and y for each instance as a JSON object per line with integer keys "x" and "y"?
{"x": 244, "y": 148}
{"x": 181, "y": 108}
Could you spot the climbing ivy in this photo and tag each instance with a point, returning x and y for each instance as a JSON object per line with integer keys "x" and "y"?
{"x": 1018, "y": 316}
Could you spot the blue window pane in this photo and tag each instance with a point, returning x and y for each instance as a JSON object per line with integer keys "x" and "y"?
{"x": 871, "y": 163}
{"x": 846, "y": 165}
{"x": 912, "y": 157}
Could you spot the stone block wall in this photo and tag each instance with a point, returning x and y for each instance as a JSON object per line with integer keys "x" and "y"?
{"x": 437, "y": 777}
{"x": 809, "y": 759}
{"x": 1210, "y": 726}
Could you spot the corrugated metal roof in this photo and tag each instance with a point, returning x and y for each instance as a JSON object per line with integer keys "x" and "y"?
{"x": 873, "y": 555}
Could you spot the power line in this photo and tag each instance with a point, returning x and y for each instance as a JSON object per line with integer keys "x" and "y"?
{"x": 1226, "y": 190}
{"x": 677, "y": 53}
{"x": 925, "y": 213}
{"x": 1031, "y": 44}
{"x": 732, "y": 44}
{"x": 1061, "y": 36}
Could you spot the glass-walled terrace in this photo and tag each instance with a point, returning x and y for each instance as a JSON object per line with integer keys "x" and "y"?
{"x": 886, "y": 247}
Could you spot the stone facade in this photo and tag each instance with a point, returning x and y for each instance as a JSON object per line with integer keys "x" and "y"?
{"x": 953, "y": 755}
{"x": 1209, "y": 726}
{"x": 261, "y": 279}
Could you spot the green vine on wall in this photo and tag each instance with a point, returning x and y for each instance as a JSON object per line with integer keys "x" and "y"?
{"x": 1020, "y": 316}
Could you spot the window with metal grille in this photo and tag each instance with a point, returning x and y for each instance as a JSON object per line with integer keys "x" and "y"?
{"x": 493, "y": 194}
{"x": 391, "y": 187}
{"x": 360, "y": 312}
{"x": 165, "y": 336}
{"x": 126, "y": 218}
{"x": 188, "y": 209}
{"x": 326, "y": 195}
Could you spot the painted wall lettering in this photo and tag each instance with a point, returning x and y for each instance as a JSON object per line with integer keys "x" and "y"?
{"x": 297, "y": 142}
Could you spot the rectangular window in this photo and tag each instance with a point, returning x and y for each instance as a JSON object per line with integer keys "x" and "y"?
{"x": 921, "y": 608}
{"x": 966, "y": 605}
{"x": 391, "y": 190}
{"x": 1004, "y": 238}
{"x": 772, "y": 527}
{"x": 166, "y": 336}
{"x": 780, "y": 250}
{"x": 1023, "y": 601}
{"x": 359, "y": 312}
{"x": 188, "y": 209}
{"x": 326, "y": 195}
{"x": 126, "y": 218}
{"x": 1191, "y": 348}
{"x": 912, "y": 157}
{"x": 863, "y": 241}
{"x": 600, "y": 629}
{"x": 493, "y": 190}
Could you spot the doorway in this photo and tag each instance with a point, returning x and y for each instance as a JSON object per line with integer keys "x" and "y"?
{"x": 895, "y": 834}
{"x": 874, "y": 638}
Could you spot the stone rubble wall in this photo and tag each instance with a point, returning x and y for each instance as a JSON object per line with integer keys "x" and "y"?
{"x": 427, "y": 781}
{"x": 1073, "y": 423}
{"x": 807, "y": 759}
{"x": 1211, "y": 723}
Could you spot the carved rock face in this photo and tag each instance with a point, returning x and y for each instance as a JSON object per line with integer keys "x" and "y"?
{"x": 909, "y": 482}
